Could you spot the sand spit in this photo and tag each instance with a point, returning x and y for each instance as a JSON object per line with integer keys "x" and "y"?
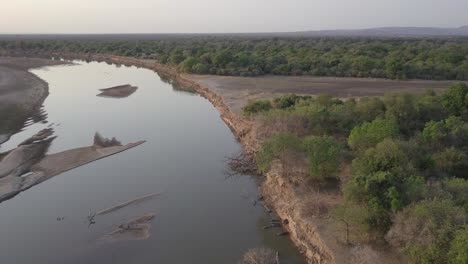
{"x": 120, "y": 91}
{"x": 125, "y": 204}
{"x": 27, "y": 165}
{"x": 136, "y": 229}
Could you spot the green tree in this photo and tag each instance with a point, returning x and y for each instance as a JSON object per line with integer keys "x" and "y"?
{"x": 324, "y": 156}
{"x": 454, "y": 99}
{"x": 452, "y": 162}
{"x": 458, "y": 253}
{"x": 425, "y": 230}
{"x": 369, "y": 134}
{"x": 274, "y": 147}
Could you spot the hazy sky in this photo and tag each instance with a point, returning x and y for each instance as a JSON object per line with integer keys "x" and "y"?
{"x": 163, "y": 16}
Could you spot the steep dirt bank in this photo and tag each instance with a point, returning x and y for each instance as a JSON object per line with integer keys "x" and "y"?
{"x": 283, "y": 196}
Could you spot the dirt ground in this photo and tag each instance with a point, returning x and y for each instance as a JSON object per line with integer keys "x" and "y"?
{"x": 236, "y": 91}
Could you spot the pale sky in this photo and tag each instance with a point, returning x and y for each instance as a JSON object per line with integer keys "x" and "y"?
{"x": 217, "y": 16}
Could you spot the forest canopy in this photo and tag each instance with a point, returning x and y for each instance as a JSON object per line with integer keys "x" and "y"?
{"x": 436, "y": 59}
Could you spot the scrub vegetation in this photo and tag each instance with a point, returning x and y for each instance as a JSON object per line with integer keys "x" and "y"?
{"x": 399, "y": 161}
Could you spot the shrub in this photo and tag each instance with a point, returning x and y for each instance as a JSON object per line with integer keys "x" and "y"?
{"x": 369, "y": 134}
{"x": 424, "y": 230}
{"x": 452, "y": 161}
{"x": 324, "y": 156}
{"x": 458, "y": 253}
{"x": 454, "y": 99}
{"x": 254, "y": 107}
{"x": 274, "y": 147}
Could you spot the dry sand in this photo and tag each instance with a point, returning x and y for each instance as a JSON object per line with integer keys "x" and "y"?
{"x": 39, "y": 167}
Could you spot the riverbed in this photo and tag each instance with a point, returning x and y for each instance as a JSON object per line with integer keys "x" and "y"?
{"x": 201, "y": 214}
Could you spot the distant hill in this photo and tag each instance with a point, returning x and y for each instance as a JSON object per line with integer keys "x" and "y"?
{"x": 390, "y": 32}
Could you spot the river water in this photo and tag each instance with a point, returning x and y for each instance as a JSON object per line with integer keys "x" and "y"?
{"x": 202, "y": 216}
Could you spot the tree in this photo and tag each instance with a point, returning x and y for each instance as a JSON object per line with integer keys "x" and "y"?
{"x": 187, "y": 64}
{"x": 274, "y": 147}
{"x": 369, "y": 134}
{"x": 452, "y": 162}
{"x": 458, "y": 253}
{"x": 454, "y": 99}
{"x": 424, "y": 230}
{"x": 324, "y": 156}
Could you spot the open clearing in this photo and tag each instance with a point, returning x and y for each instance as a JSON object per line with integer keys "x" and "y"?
{"x": 236, "y": 91}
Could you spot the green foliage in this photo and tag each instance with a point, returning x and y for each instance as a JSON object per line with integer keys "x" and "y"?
{"x": 454, "y": 99}
{"x": 384, "y": 180}
{"x": 287, "y": 101}
{"x": 425, "y": 230}
{"x": 452, "y": 161}
{"x": 257, "y": 55}
{"x": 445, "y": 133}
{"x": 370, "y": 108}
{"x": 368, "y": 134}
{"x": 324, "y": 156}
{"x": 255, "y": 107}
{"x": 458, "y": 253}
{"x": 274, "y": 147}
{"x": 402, "y": 109}
{"x": 458, "y": 190}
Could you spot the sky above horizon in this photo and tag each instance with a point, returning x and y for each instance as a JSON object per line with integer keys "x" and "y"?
{"x": 218, "y": 16}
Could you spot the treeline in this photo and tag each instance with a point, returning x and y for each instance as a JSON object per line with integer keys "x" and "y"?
{"x": 436, "y": 59}
{"x": 403, "y": 161}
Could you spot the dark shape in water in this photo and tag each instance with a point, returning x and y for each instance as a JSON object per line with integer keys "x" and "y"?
{"x": 136, "y": 229}
{"x": 120, "y": 91}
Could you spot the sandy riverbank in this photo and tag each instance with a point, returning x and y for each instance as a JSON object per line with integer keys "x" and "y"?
{"x": 21, "y": 92}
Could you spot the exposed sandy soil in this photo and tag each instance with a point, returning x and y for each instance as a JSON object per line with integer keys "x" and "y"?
{"x": 28, "y": 164}
{"x": 20, "y": 89}
{"x": 236, "y": 91}
{"x": 28, "y": 63}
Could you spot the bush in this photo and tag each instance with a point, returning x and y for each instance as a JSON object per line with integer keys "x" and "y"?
{"x": 424, "y": 230}
{"x": 452, "y": 162}
{"x": 274, "y": 147}
{"x": 324, "y": 156}
{"x": 454, "y": 99}
{"x": 369, "y": 134}
{"x": 254, "y": 107}
{"x": 458, "y": 253}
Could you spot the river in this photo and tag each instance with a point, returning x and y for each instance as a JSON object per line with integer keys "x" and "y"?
{"x": 202, "y": 216}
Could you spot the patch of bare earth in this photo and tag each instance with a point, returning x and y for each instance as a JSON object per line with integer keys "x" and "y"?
{"x": 236, "y": 91}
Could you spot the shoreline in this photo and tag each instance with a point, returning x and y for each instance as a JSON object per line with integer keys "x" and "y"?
{"x": 302, "y": 234}
{"x": 280, "y": 193}
{"x": 21, "y": 91}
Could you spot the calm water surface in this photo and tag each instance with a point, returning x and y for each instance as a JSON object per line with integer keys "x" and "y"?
{"x": 201, "y": 216}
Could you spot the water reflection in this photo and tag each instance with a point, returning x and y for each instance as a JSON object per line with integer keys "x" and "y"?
{"x": 209, "y": 218}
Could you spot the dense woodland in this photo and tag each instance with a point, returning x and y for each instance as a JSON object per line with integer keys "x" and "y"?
{"x": 437, "y": 59}
{"x": 405, "y": 159}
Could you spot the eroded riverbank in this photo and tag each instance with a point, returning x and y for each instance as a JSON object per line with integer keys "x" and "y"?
{"x": 186, "y": 167}
{"x": 313, "y": 235}
{"x": 303, "y": 233}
